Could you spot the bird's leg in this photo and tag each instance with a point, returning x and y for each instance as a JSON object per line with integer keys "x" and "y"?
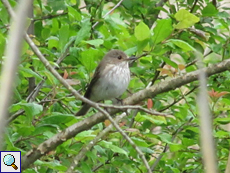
{"x": 118, "y": 101}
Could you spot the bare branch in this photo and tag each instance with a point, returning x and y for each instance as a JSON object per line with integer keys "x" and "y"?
{"x": 134, "y": 107}
{"x": 12, "y": 59}
{"x": 206, "y": 138}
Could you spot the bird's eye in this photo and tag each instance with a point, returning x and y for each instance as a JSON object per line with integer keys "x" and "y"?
{"x": 119, "y": 57}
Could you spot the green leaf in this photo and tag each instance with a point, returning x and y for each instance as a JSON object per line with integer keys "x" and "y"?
{"x": 45, "y": 33}
{"x": 27, "y": 72}
{"x": 88, "y": 59}
{"x": 53, "y": 165}
{"x": 154, "y": 119}
{"x": 30, "y": 108}
{"x": 73, "y": 14}
{"x": 57, "y": 118}
{"x": 55, "y": 26}
{"x": 209, "y": 10}
{"x": 63, "y": 36}
{"x": 162, "y": 30}
{"x": 2, "y": 44}
{"x": 186, "y": 19}
{"x": 53, "y": 42}
{"x": 166, "y": 138}
{"x": 50, "y": 77}
{"x": 114, "y": 148}
{"x": 84, "y": 31}
{"x": 222, "y": 120}
{"x": 222, "y": 134}
{"x": 96, "y": 42}
{"x": 142, "y": 31}
{"x": 182, "y": 44}
{"x": 26, "y": 130}
{"x": 56, "y": 5}
{"x": 85, "y": 136}
{"x": 140, "y": 142}
{"x": 86, "y": 168}
{"x": 175, "y": 147}
{"x": 170, "y": 62}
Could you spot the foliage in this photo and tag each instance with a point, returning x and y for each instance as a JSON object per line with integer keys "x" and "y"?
{"x": 132, "y": 27}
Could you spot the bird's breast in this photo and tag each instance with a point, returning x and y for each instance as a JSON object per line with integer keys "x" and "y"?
{"x": 113, "y": 82}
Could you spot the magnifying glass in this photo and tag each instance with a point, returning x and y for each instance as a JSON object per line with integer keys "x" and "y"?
{"x": 9, "y": 160}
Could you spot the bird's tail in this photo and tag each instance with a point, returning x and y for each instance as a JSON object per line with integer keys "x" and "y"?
{"x": 83, "y": 110}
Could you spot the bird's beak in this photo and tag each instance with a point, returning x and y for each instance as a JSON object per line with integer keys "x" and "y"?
{"x": 132, "y": 58}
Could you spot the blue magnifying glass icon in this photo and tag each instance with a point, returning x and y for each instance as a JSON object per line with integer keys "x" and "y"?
{"x": 9, "y": 160}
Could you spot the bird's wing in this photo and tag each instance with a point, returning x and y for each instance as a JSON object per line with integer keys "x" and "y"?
{"x": 96, "y": 76}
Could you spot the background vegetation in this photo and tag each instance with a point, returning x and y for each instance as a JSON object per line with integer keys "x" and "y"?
{"x": 73, "y": 36}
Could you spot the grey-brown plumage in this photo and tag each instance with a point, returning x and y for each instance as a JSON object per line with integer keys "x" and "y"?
{"x": 110, "y": 79}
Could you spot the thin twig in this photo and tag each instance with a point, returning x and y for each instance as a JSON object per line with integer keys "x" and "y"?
{"x": 194, "y": 5}
{"x": 134, "y": 107}
{"x": 110, "y": 11}
{"x": 49, "y": 17}
{"x": 167, "y": 146}
{"x": 176, "y": 101}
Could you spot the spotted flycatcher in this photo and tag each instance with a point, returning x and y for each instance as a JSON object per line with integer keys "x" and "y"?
{"x": 110, "y": 79}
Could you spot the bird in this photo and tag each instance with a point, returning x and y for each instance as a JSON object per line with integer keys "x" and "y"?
{"x": 110, "y": 80}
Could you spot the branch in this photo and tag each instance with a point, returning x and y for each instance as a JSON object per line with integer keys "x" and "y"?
{"x": 194, "y": 5}
{"x": 206, "y": 137}
{"x": 13, "y": 52}
{"x": 88, "y": 122}
{"x": 134, "y": 107}
{"x": 174, "y": 83}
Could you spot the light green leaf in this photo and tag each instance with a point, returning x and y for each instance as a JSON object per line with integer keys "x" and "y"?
{"x": 182, "y": 44}
{"x": 175, "y": 147}
{"x": 55, "y": 26}
{"x": 142, "y": 31}
{"x": 162, "y": 30}
{"x": 154, "y": 119}
{"x": 96, "y": 42}
{"x": 186, "y": 19}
